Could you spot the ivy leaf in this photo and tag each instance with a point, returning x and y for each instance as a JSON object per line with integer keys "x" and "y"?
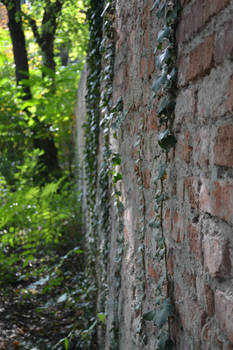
{"x": 163, "y": 34}
{"x": 149, "y": 316}
{"x": 165, "y": 57}
{"x": 155, "y": 5}
{"x": 161, "y": 11}
{"x": 158, "y": 82}
{"x": 166, "y": 140}
{"x": 117, "y": 177}
{"x": 163, "y": 313}
{"x": 164, "y": 342}
{"x": 172, "y": 16}
{"x": 101, "y": 317}
{"x": 166, "y": 107}
{"x": 172, "y": 75}
{"x": 116, "y": 160}
{"x": 161, "y": 173}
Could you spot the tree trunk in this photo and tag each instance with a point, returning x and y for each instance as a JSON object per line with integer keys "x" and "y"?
{"x": 19, "y": 45}
{"x": 49, "y": 160}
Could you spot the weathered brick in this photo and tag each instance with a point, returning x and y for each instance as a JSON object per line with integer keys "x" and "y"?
{"x": 201, "y": 145}
{"x": 151, "y": 121}
{"x": 224, "y": 312}
{"x": 216, "y": 257}
{"x": 229, "y": 346}
{"x": 183, "y": 148}
{"x": 167, "y": 220}
{"x": 146, "y": 178}
{"x": 222, "y": 202}
{"x": 142, "y": 67}
{"x": 229, "y": 101}
{"x": 219, "y": 201}
{"x": 201, "y": 59}
{"x": 177, "y": 227}
{"x": 224, "y": 43}
{"x": 190, "y": 184}
{"x": 184, "y": 2}
{"x": 195, "y": 241}
{"x": 223, "y": 147}
{"x": 151, "y": 65}
{"x": 170, "y": 262}
{"x": 191, "y": 313}
{"x": 209, "y": 297}
{"x": 199, "y": 14}
{"x": 154, "y": 271}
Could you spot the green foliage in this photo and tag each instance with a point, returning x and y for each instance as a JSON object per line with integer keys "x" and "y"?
{"x": 32, "y": 217}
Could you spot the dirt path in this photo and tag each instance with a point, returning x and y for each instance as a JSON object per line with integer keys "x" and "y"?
{"x": 53, "y": 311}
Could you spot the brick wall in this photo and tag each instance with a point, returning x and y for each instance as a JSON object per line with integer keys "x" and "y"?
{"x": 202, "y": 169}
{"x": 198, "y": 214}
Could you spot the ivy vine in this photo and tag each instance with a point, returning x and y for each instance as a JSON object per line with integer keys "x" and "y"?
{"x": 103, "y": 173}
{"x": 164, "y": 86}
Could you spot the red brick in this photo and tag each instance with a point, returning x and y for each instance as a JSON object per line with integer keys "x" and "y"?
{"x": 229, "y": 101}
{"x": 216, "y": 257}
{"x": 146, "y": 178}
{"x": 146, "y": 92}
{"x": 184, "y": 2}
{"x": 189, "y": 185}
{"x": 224, "y": 312}
{"x": 224, "y": 43}
{"x": 195, "y": 241}
{"x": 200, "y": 13}
{"x": 167, "y": 220}
{"x": 201, "y": 59}
{"x": 145, "y": 17}
{"x": 191, "y": 313}
{"x": 170, "y": 263}
{"x": 177, "y": 227}
{"x": 151, "y": 65}
{"x": 219, "y": 202}
{"x": 183, "y": 148}
{"x": 201, "y": 146}
{"x": 204, "y": 197}
{"x": 142, "y": 67}
{"x": 151, "y": 121}
{"x": 222, "y": 201}
{"x": 154, "y": 272}
{"x": 209, "y": 297}
{"x": 146, "y": 38}
{"x": 223, "y": 147}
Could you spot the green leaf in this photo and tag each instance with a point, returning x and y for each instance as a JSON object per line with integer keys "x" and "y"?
{"x": 164, "y": 342}
{"x": 117, "y": 177}
{"x": 164, "y": 34}
{"x": 165, "y": 57}
{"x": 149, "y": 316}
{"x": 163, "y": 313}
{"x": 166, "y": 106}
{"x": 101, "y": 317}
{"x": 161, "y": 11}
{"x": 155, "y": 5}
{"x": 161, "y": 173}
{"x": 66, "y": 343}
{"x": 116, "y": 160}
{"x": 172, "y": 75}
{"x": 166, "y": 140}
{"x": 158, "y": 82}
{"x": 171, "y": 16}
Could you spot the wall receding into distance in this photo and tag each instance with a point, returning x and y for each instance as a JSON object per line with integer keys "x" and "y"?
{"x": 196, "y": 268}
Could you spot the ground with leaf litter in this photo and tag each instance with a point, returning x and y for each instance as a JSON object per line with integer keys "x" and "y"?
{"x": 49, "y": 306}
